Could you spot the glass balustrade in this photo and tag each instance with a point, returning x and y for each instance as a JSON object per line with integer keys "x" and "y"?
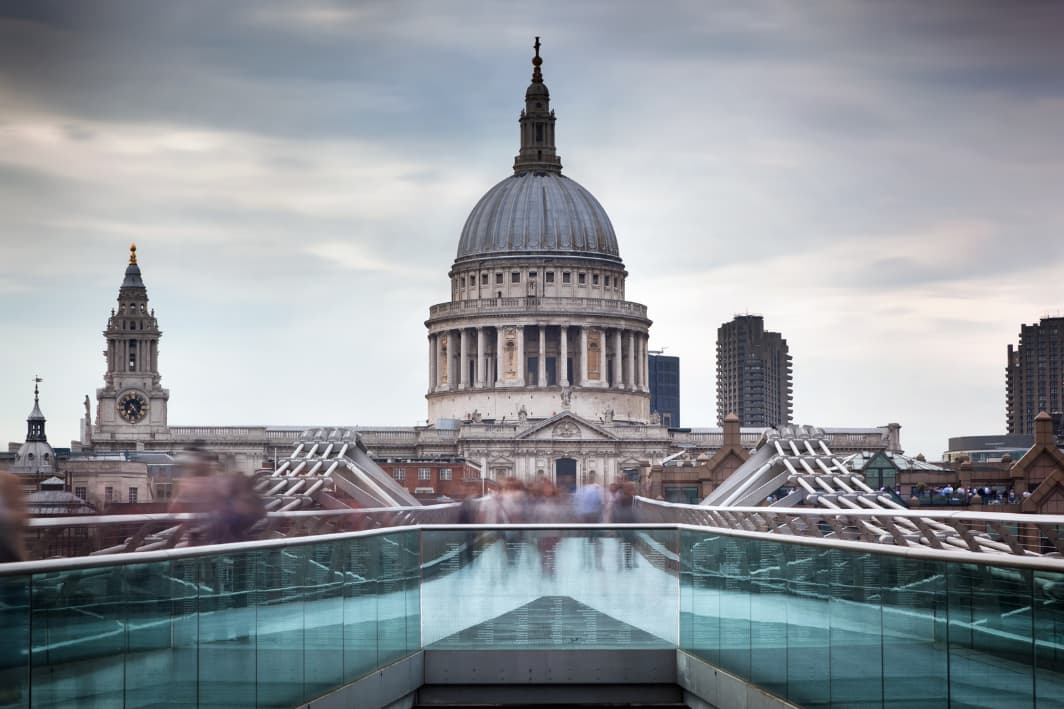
{"x": 274, "y": 625}
{"x": 833, "y": 626}
{"x": 262, "y": 627}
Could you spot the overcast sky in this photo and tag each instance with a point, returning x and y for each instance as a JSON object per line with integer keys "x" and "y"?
{"x": 882, "y": 181}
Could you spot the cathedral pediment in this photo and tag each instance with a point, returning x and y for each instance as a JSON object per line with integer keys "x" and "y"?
{"x": 566, "y": 426}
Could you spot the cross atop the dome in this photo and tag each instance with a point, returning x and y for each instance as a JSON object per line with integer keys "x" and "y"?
{"x": 537, "y": 75}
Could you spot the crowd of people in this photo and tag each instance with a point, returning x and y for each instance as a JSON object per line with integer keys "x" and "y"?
{"x": 543, "y": 502}
{"x": 958, "y": 494}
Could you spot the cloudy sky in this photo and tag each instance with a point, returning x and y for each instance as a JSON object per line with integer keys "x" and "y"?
{"x": 884, "y": 182}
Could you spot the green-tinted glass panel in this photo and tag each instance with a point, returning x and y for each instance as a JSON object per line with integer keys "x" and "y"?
{"x": 856, "y": 629}
{"x": 734, "y": 589}
{"x": 990, "y": 636}
{"x": 323, "y": 617}
{"x": 412, "y": 574}
{"x": 14, "y": 647}
{"x": 160, "y": 662}
{"x": 915, "y": 663}
{"x": 391, "y": 603}
{"x": 1049, "y": 638}
{"x": 279, "y": 626}
{"x": 78, "y": 620}
{"x": 360, "y": 600}
{"x": 768, "y": 616}
{"x": 227, "y": 628}
{"x": 703, "y": 559}
{"x": 809, "y": 572}
{"x": 686, "y": 591}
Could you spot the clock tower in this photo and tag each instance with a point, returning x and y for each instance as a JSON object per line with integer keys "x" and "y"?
{"x": 131, "y": 406}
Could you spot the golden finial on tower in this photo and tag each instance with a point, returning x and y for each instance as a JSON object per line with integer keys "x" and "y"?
{"x": 132, "y": 254}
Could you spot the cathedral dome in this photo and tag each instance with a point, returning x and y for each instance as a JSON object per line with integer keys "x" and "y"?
{"x": 536, "y": 212}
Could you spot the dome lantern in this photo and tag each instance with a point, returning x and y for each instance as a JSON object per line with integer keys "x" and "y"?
{"x": 537, "y": 152}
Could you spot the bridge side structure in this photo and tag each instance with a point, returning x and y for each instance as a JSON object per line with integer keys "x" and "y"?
{"x": 445, "y": 615}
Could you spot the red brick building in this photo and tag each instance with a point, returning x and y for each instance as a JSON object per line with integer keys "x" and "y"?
{"x": 431, "y": 479}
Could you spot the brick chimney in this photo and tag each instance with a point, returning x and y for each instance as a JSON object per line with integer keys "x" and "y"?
{"x": 731, "y": 432}
{"x": 1043, "y": 430}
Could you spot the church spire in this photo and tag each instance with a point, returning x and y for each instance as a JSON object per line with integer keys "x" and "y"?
{"x": 537, "y": 153}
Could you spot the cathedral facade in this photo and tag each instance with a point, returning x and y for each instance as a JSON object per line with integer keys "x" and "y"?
{"x": 538, "y": 364}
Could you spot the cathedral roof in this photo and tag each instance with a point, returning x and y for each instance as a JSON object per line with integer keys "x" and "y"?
{"x": 538, "y": 211}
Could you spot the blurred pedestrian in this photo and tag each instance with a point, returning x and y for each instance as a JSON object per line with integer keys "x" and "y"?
{"x": 13, "y": 517}
{"x": 239, "y": 508}
{"x": 548, "y": 509}
{"x": 589, "y": 503}
{"x": 622, "y": 511}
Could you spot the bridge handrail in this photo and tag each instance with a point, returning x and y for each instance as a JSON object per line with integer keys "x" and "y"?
{"x": 1044, "y": 563}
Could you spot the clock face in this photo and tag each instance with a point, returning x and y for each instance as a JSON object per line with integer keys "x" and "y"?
{"x": 132, "y": 406}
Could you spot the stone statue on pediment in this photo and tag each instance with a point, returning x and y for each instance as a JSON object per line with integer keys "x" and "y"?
{"x": 567, "y": 397}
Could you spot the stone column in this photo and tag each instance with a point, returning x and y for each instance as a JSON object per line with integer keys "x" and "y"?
{"x": 583, "y": 355}
{"x": 541, "y": 379}
{"x": 563, "y": 374}
{"x": 521, "y": 364}
{"x": 644, "y": 362}
{"x": 498, "y": 357}
{"x": 618, "y": 361}
{"x": 452, "y": 380}
{"x": 433, "y": 358}
{"x": 602, "y": 359}
{"x": 480, "y": 358}
{"x": 463, "y": 360}
{"x": 631, "y": 360}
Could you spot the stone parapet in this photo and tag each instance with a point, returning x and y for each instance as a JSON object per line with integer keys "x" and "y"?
{"x": 537, "y": 306}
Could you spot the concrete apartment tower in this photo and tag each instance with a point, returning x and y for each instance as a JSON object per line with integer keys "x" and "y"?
{"x": 753, "y": 373}
{"x": 1034, "y": 375}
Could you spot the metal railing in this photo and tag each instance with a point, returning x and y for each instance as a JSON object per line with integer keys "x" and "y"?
{"x": 51, "y": 537}
{"x": 1017, "y": 534}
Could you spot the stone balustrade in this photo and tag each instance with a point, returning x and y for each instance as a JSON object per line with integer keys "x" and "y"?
{"x": 537, "y": 305}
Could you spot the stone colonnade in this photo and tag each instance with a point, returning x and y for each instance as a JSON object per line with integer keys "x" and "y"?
{"x": 477, "y": 358}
